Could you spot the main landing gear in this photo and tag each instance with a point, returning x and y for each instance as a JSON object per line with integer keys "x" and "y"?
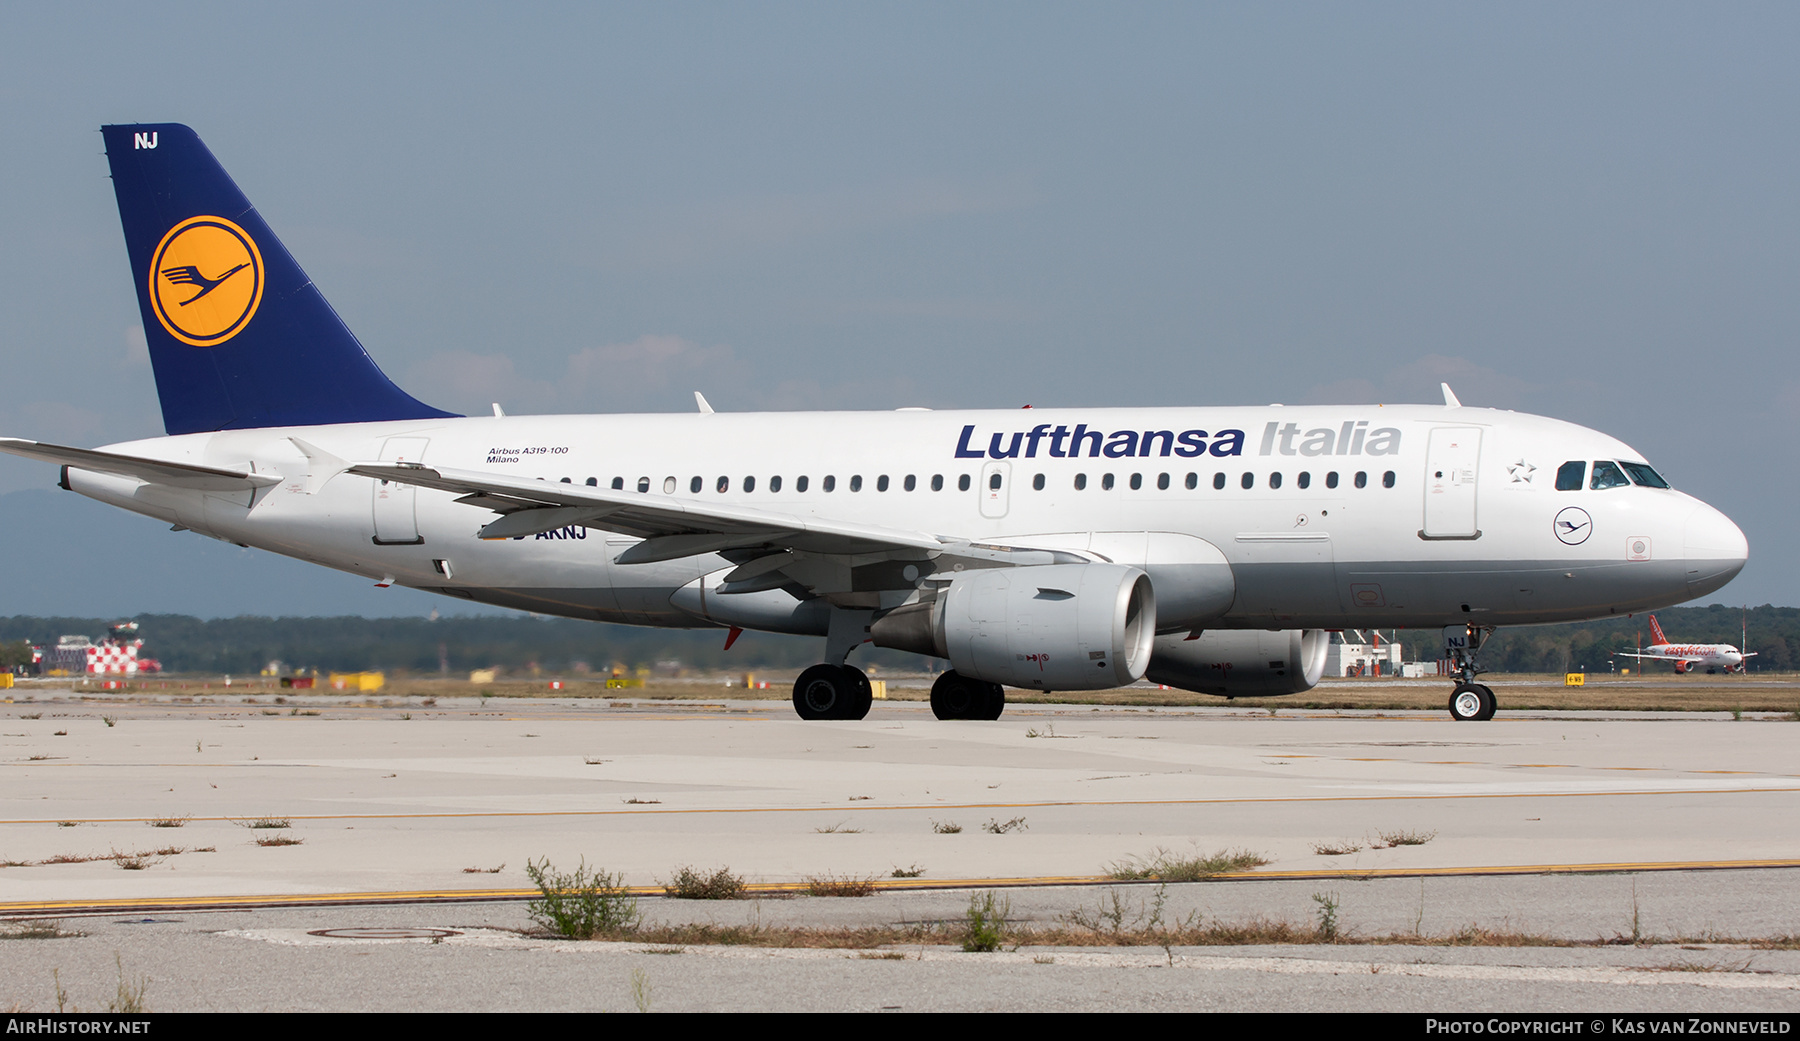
{"x": 958, "y": 697}
{"x": 1470, "y": 702}
{"x": 833, "y": 692}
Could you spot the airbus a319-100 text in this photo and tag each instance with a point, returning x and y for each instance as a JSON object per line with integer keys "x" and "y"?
{"x": 1210, "y": 549}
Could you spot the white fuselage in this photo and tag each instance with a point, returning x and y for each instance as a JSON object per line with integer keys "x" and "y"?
{"x": 1330, "y": 517}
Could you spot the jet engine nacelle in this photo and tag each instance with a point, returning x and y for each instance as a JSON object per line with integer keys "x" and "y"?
{"x": 1048, "y": 627}
{"x": 1242, "y": 663}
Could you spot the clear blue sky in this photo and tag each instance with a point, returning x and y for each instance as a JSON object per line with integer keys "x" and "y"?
{"x": 1581, "y": 210}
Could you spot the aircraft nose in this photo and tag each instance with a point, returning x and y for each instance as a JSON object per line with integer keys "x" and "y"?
{"x": 1716, "y": 550}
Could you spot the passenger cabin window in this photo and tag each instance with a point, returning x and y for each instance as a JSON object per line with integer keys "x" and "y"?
{"x": 1304, "y": 480}
{"x": 1569, "y": 475}
{"x": 1193, "y": 481}
{"x": 1248, "y": 481}
{"x": 1137, "y": 481}
{"x": 643, "y": 485}
{"x": 1037, "y": 483}
{"x": 1607, "y": 475}
{"x": 1162, "y": 482}
{"x": 994, "y": 481}
{"x": 937, "y": 482}
{"x": 1362, "y": 479}
{"x": 911, "y": 482}
{"x": 668, "y": 486}
{"x": 775, "y": 485}
{"x": 749, "y": 484}
{"x": 1387, "y": 479}
{"x": 594, "y": 482}
{"x": 695, "y": 485}
{"x": 724, "y": 484}
{"x": 830, "y": 483}
{"x": 1081, "y": 482}
{"x": 619, "y": 484}
{"x": 567, "y": 480}
{"x": 800, "y": 483}
{"x": 1274, "y": 480}
{"x": 1218, "y": 481}
{"x": 1644, "y": 476}
{"x": 1331, "y": 479}
{"x": 962, "y": 483}
{"x": 881, "y": 483}
{"x": 855, "y": 482}
{"x": 1106, "y": 482}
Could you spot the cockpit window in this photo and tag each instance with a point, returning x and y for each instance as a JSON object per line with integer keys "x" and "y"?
{"x": 1607, "y": 475}
{"x": 1569, "y": 475}
{"x": 1643, "y": 475}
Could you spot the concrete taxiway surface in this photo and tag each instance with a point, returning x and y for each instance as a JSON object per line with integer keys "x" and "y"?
{"x": 404, "y": 801}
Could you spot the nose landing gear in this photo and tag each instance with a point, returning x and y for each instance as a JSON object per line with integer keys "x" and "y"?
{"x": 1470, "y": 701}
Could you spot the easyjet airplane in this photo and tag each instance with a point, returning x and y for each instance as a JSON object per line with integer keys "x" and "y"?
{"x": 1712, "y": 657}
{"x": 1210, "y": 549}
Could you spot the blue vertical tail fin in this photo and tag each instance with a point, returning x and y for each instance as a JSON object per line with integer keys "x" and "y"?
{"x": 239, "y": 336}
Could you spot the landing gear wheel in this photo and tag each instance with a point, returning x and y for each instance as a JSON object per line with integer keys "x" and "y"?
{"x": 1472, "y": 703}
{"x": 993, "y": 704}
{"x": 862, "y": 695}
{"x": 1490, "y": 704}
{"x": 955, "y": 696}
{"x": 828, "y": 692}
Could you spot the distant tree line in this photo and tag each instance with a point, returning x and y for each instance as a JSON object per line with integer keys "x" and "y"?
{"x": 559, "y": 646}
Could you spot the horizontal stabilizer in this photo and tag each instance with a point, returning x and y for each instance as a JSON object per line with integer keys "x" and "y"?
{"x": 153, "y": 471}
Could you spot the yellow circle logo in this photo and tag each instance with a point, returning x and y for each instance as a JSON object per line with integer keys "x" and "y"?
{"x": 206, "y": 278}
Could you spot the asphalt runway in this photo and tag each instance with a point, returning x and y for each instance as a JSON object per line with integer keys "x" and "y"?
{"x": 1578, "y": 826}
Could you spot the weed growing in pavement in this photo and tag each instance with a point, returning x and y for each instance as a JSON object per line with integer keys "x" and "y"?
{"x": 1335, "y": 849}
{"x": 994, "y": 827}
{"x": 169, "y": 822}
{"x": 946, "y": 827}
{"x": 1165, "y": 866}
{"x": 986, "y": 921}
{"x": 1390, "y": 839}
{"x": 688, "y": 884}
{"x": 1328, "y": 916}
{"x": 910, "y": 872}
{"x": 832, "y": 885}
{"x": 581, "y": 905}
{"x": 42, "y": 929}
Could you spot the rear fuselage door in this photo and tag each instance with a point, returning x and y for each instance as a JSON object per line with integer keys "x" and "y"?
{"x": 1451, "y": 464}
{"x": 395, "y": 522}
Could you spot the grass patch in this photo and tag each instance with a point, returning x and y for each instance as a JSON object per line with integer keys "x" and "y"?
{"x": 688, "y": 884}
{"x": 909, "y": 872}
{"x": 1164, "y": 866}
{"x": 68, "y": 824}
{"x": 946, "y": 827}
{"x": 582, "y": 905}
{"x": 267, "y": 822}
{"x": 635, "y": 801}
{"x": 840, "y": 828}
{"x": 279, "y": 840}
{"x": 169, "y": 822}
{"x": 1335, "y": 849}
{"x": 832, "y": 885}
{"x": 483, "y": 870}
{"x": 994, "y": 827}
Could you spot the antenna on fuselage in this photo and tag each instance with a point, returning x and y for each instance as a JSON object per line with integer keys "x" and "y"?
{"x": 700, "y": 399}
{"x": 1450, "y": 397}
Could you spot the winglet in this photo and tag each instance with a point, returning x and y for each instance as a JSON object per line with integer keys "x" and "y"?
{"x": 1450, "y": 397}
{"x": 700, "y": 399}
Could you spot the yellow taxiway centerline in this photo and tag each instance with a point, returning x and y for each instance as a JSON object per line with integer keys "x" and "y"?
{"x": 38, "y": 908}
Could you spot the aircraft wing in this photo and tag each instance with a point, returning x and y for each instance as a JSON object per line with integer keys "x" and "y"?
{"x": 670, "y": 526}
{"x": 154, "y": 471}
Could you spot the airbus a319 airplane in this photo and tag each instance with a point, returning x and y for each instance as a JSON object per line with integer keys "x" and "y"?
{"x": 1712, "y": 657}
{"x": 1210, "y": 549}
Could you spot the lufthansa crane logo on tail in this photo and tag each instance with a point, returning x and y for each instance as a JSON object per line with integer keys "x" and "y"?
{"x": 206, "y": 280}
